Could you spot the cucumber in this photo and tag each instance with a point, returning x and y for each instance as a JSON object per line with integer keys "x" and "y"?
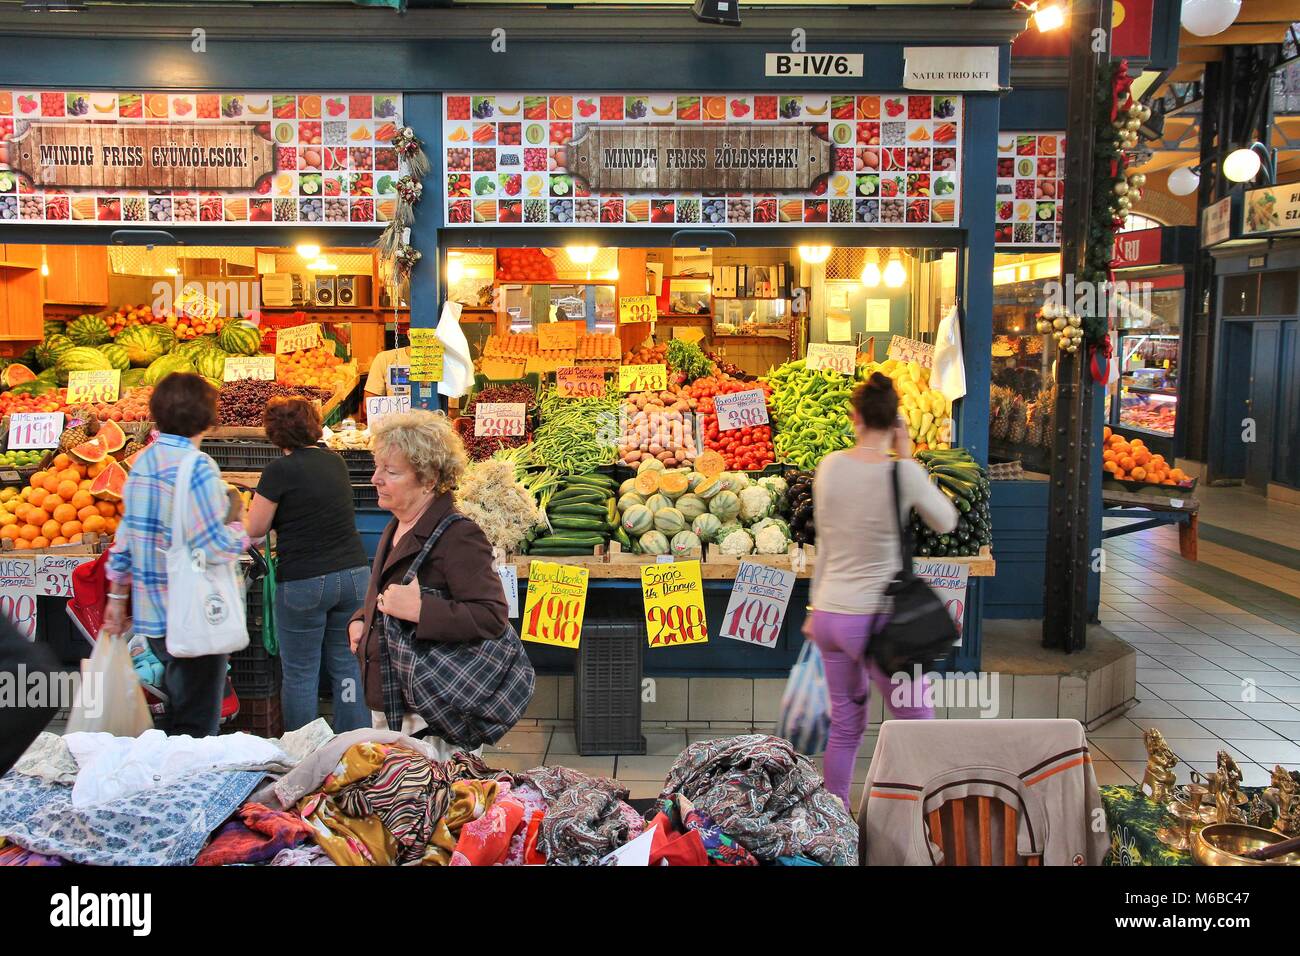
{"x": 560, "y": 552}
{"x": 607, "y": 486}
{"x": 971, "y": 475}
{"x": 579, "y": 497}
{"x": 575, "y": 523}
{"x": 622, "y": 538}
{"x": 577, "y": 511}
{"x": 965, "y": 489}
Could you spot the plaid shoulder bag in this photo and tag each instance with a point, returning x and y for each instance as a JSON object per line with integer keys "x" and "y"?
{"x": 469, "y": 692}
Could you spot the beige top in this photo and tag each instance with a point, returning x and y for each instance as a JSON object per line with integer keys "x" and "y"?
{"x": 857, "y": 537}
{"x": 377, "y": 382}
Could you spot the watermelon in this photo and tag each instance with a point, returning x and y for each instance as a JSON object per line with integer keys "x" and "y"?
{"x": 628, "y": 500}
{"x": 108, "y": 486}
{"x": 48, "y": 352}
{"x": 89, "y": 330}
{"x": 669, "y": 521}
{"x": 54, "y": 327}
{"x": 38, "y": 387}
{"x": 132, "y": 378}
{"x": 82, "y": 358}
{"x": 50, "y": 375}
{"x": 240, "y": 338}
{"x": 706, "y": 526}
{"x": 90, "y": 452}
{"x": 166, "y": 337}
{"x": 111, "y": 436}
{"x": 214, "y": 382}
{"x": 17, "y": 374}
{"x": 195, "y": 347}
{"x": 691, "y": 506}
{"x": 638, "y": 520}
{"x": 142, "y": 345}
{"x": 654, "y": 542}
{"x": 167, "y": 365}
{"x": 683, "y": 543}
{"x": 726, "y": 505}
{"x": 211, "y": 364}
{"x": 119, "y": 356}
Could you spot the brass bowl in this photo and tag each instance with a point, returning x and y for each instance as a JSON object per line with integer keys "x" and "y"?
{"x": 1221, "y": 844}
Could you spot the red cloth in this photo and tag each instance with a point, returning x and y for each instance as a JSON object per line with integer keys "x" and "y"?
{"x": 669, "y": 848}
{"x": 259, "y": 834}
{"x": 486, "y": 841}
{"x": 531, "y": 855}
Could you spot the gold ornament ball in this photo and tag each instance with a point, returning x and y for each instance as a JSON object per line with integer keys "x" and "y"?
{"x": 1058, "y": 323}
{"x": 1121, "y": 188}
{"x": 1138, "y": 179}
{"x": 1075, "y": 321}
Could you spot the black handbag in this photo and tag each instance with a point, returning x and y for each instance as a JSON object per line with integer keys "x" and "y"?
{"x": 920, "y": 630}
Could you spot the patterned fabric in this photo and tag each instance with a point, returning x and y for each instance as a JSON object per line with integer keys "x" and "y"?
{"x": 767, "y": 797}
{"x": 404, "y": 794}
{"x": 679, "y": 815}
{"x": 469, "y": 692}
{"x": 586, "y": 817}
{"x": 139, "y": 553}
{"x": 487, "y": 841}
{"x": 349, "y": 841}
{"x": 1134, "y": 819}
{"x": 166, "y": 826}
{"x": 257, "y": 835}
{"x": 48, "y": 759}
{"x": 16, "y": 856}
{"x": 303, "y": 856}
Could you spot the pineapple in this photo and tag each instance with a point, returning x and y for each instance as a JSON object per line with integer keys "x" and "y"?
{"x": 999, "y": 398}
{"x": 1019, "y": 423}
{"x": 1040, "y": 421}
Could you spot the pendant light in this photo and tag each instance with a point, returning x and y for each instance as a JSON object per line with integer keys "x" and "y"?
{"x": 814, "y": 254}
{"x": 1241, "y": 165}
{"x": 895, "y": 272}
{"x": 1207, "y": 18}
{"x": 1184, "y": 181}
{"x": 582, "y": 255}
{"x": 871, "y": 271}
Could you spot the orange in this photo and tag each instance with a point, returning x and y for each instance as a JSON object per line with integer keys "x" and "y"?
{"x": 90, "y": 511}
{"x": 1177, "y": 475}
{"x": 112, "y": 525}
{"x": 51, "y": 502}
{"x": 61, "y": 462}
{"x": 41, "y": 542}
{"x": 10, "y": 532}
{"x": 1142, "y": 456}
{"x": 38, "y": 479}
{"x": 562, "y": 107}
{"x": 51, "y": 482}
{"x": 107, "y": 508}
{"x": 22, "y": 511}
{"x": 55, "y": 542}
{"x": 1139, "y": 473}
{"x": 1106, "y": 433}
{"x": 81, "y": 499}
{"x": 121, "y": 508}
{"x": 29, "y": 532}
{"x": 22, "y": 543}
{"x": 94, "y": 524}
{"x": 1108, "y": 455}
{"x": 1110, "y": 466}
{"x": 50, "y": 529}
{"x": 37, "y": 516}
{"x": 67, "y": 489}
{"x": 75, "y": 539}
{"x": 38, "y": 497}
{"x": 70, "y": 528}
{"x": 1127, "y": 462}
{"x": 96, "y": 468}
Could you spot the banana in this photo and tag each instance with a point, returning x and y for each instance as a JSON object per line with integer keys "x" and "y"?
{"x": 820, "y": 112}
{"x": 665, "y": 111}
{"x": 266, "y": 107}
{"x": 504, "y": 111}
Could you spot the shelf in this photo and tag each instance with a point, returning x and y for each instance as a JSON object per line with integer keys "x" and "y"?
{"x": 1146, "y": 389}
{"x": 325, "y": 308}
{"x": 1145, "y": 431}
{"x": 685, "y": 315}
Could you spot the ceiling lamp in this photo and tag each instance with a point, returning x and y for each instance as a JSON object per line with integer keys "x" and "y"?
{"x": 1206, "y": 18}
{"x": 1048, "y": 16}
{"x": 725, "y": 12}
{"x": 307, "y": 251}
{"x": 455, "y": 269}
{"x": 1184, "y": 181}
{"x": 582, "y": 255}
{"x": 871, "y": 275}
{"x": 322, "y": 265}
{"x": 814, "y": 254}
{"x": 1242, "y": 165}
{"x": 895, "y": 272}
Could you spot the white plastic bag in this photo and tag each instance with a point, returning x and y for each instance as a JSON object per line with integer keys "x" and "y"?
{"x": 457, "y": 365}
{"x": 109, "y": 698}
{"x": 205, "y": 601}
{"x": 949, "y": 371}
{"x": 806, "y": 704}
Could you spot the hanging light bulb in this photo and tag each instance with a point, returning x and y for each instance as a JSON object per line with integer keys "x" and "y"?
{"x": 814, "y": 254}
{"x": 307, "y": 251}
{"x": 582, "y": 255}
{"x": 1241, "y": 165}
{"x": 871, "y": 271}
{"x": 1049, "y": 16}
{"x": 895, "y": 272}
{"x": 1206, "y": 18}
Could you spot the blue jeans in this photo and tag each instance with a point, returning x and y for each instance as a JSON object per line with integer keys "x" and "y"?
{"x": 311, "y": 622}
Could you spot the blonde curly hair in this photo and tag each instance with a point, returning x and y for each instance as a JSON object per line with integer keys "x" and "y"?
{"x": 428, "y": 442}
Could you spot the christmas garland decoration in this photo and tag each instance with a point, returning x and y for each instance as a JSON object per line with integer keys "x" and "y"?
{"x": 395, "y": 243}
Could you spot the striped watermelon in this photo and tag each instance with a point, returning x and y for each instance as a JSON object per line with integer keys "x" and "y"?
{"x": 211, "y": 364}
{"x": 240, "y": 338}
{"x": 117, "y": 355}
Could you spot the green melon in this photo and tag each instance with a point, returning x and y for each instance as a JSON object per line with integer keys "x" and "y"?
{"x": 211, "y": 364}
{"x": 638, "y": 520}
{"x": 726, "y": 505}
{"x": 654, "y": 542}
{"x": 143, "y": 347}
{"x": 691, "y": 506}
{"x": 683, "y": 543}
{"x": 669, "y": 521}
{"x": 132, "y": 378}
{"x": 650, "y": 464}
{"x": 628, "y": 500}
{"x": 707, "y": 526}
{"x": 54, "y": 327}
{"x": 166, "y": 337}
{"x": 240, "y": 338}
{"x": 82, "y": 358}
{"x": 657, "y": 503}
{"x": 627, "y": 487}
{"x": 89, "y": 330}
{"x": 117, "y": 355}
{"x": 167, "y": 365}
{"x": 195, "y": 347}
{"x": 50, "y": 375}
{"x": 48, "y": 352}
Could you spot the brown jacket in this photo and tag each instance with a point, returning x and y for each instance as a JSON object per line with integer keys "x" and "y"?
{"x": 460, "y": 565}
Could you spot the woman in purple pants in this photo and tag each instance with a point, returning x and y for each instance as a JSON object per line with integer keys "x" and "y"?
{"x": 857, "y": 558}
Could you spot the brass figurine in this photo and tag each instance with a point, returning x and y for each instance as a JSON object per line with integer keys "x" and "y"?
{"x": 1226, "y": 809}
{"x": 1159, "y": 775}
{"x": 1234, "y": 778}
{"x": 1288, "y": 799}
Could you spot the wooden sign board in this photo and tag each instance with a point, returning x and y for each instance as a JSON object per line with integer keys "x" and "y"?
{"x": 84, "y": 156}
{"x": 739, "y": 157}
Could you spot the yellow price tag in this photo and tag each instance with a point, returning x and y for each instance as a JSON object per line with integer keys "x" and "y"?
{"x": 426, "y": 356}
{"x": 557, "y": 599}
{"x": 688, "y": 334}
{"x": 552, "y": 336}
{"x": 673, "y": 595}
{"x": 642, "y": 378}
{"x": 637, "y": 308}
{"x": 580, "y": 382}
{"x": 100, "y": 386}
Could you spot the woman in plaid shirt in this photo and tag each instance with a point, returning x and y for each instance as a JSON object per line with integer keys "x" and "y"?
{"x": 184, "y": 407}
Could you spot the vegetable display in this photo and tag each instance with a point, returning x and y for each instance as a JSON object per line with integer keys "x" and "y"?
{"x": 742, "y": 449}
{"x": 659, "y": 425}
{"x": 581, "y": 515}
{"x": 966, "y": 484}
{"x": 576, "y": 434}
{"x": 800, "y": 503}
{"x": 688, "y": 359}
{"x": 479, "y": 447}
{"x": 811, "y": 412}
{"x": 490, "y": 494}
{"x": 927, "y": 411}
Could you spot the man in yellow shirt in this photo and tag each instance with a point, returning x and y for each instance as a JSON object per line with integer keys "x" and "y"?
{"x": 380, "y": 381}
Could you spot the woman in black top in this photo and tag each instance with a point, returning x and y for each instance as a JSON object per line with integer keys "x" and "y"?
{"x": 322, "y": 572}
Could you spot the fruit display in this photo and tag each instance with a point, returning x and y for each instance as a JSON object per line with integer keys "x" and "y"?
{"x": 239, "y": 338}
{"x": 21, "y": 459}
{"x": 927, "y": 410}
{"x": 133, "y": 406}
{"x": 799, "y": 501}
{"x": 33, "y": 397}
{"x": 591, "y": 349}
{"x": 319, "y": 367}
{"x": 82, "y": 358}
{"x": 742, "y": 449}
{"x": 88, "y": 330}
{"x": 659, "y": 425}
{"x": 580, "y": 516}
{"x": 966, "y": 484}
{"x": 1131, "y": 460}
{"x": 242, "y": 403}
{"x": 810, "y": 410}
{"x": 80, "y": 493}
{"x": 1155, "y": 416}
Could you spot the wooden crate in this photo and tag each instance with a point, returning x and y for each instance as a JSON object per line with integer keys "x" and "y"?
{"x": 521, "y": 561}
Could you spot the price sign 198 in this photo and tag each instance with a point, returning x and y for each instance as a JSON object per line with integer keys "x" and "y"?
{"x": 555, "y": 620}
{"x": 675, "y": 625}
{"x": 758, "y": 622}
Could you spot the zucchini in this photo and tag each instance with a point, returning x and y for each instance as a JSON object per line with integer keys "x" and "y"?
{"x": 962, "y": 504}
{"x": 622, "y": 538}
{"x": 577, "y": 523}
{"x": 965, "y": 489}
{"x": 576, "y": 497}
{"x": 561, "y": 552}
{"x": 606, "y": 485}
{"x": 568, "y": 510}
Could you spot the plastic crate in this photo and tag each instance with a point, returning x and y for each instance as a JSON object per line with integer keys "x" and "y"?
{"x": 607, "y": 688}
{"x": 253, "y": 671}
{"x": 371, "y": 522}
{"x": 361, "y": 464}
{"x": 366, "y": 497}
{"x": 257, "y": 715}
{"x": 241, "y": 455}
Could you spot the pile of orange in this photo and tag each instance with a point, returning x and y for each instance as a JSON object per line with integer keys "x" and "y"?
{"x": 318, "y": 367}
{"x": 1133, "y": 461}
{"x": 57, "y": 507}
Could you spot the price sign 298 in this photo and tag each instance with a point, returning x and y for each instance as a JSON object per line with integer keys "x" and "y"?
{"x": 676, "y": 625}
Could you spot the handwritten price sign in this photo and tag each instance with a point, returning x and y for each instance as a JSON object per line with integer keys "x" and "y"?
{"x": 642, "y": 378}
{"x": 18, "y": 594}
{"x": 296, "y": 338}
{"x": 760, "y": 597}
{"x": 556, "y": 601}
{"x": 740, "y": 410}
{"x": 557, "y": 335}
{"x": 837, "y": 358}
{"x": 580, "y": 382}
{"x": 637, "y": 308}
{"x": 903, "y": 349}
{"x": 94, "y": 387}
{"x": 54, "y": 574}
{"x": 260, "y": 368}
{"x": 377, "y": 406}
{"x": 948, "y": 579}
{"x": 510, "y": 584}
{"x": 427, "y": 355}
{"x": 498, "y": 419}
{"x": 673, "y": 595}
{"x": 34, "y": 430}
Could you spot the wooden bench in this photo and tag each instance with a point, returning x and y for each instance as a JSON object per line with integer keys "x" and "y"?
{"x": 1155, "y": 511}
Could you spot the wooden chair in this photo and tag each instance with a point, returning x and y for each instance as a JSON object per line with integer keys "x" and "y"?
{"x": 964, "y": 830}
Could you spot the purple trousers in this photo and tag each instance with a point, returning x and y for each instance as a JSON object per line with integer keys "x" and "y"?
{"x": 843, "y": 641}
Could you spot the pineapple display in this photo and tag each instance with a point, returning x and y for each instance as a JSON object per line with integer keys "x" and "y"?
{"x": 999, "y": 422}
{"x": 1018, "y": 420}
{"x": 1040, "y": 419}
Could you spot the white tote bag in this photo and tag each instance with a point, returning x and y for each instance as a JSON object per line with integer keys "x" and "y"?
{"x": 205, "y": 600}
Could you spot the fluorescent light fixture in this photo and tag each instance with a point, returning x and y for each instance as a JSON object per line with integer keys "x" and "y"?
{"x": 814, "y": 254}
{"x": 582, "y": 255}
{"x": 1048, "y": 16}
{"x": 871, "y": 275}
{"x": 1184, "y": 181}
{"x": 1241, "y": 165}
{"x": 307, "y": 251}
{"x": 895, "y": 272}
